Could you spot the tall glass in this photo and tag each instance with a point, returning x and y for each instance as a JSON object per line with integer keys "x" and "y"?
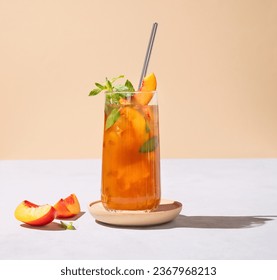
{"x": 131, "y": 153}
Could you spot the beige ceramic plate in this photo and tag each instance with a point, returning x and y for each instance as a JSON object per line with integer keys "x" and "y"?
{"x": 166, "y": 212}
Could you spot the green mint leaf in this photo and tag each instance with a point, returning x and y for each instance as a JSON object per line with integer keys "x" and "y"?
{"x": 68, "y": 226}
{"x": 100, "y": 86}
{"x": 109, "y": 85}
{"x": 95, "y": 91}
{"x": 129, "y": 85}
{"x": 112, "y": 118}
{"x": 150, "y": 145}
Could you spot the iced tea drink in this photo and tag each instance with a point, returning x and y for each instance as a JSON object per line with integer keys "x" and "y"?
{"x": 131, "y": 153}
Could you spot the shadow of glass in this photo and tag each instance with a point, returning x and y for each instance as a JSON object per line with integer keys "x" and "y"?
{"x": 217, "y": 222}
{"x": 207, "y": 222}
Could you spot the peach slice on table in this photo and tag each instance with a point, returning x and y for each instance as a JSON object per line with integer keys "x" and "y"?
{"x": 68, "y": 207}
{"x": 33, "y": 214}
{"x": 149, "y": 84}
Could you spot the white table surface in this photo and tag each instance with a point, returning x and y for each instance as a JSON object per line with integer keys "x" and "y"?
{"x": 229, "y": 212}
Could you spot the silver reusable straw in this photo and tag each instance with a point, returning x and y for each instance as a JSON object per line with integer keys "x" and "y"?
{"x": 148, "y": 53}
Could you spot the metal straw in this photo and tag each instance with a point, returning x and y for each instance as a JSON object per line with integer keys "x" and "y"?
{"x": 148, "y": 53}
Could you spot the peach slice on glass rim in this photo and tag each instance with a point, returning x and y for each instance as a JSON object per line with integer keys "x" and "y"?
{"x": 149, "y": 84}
{"x": 68, "y": 207}
{"x": 33, "y": 214}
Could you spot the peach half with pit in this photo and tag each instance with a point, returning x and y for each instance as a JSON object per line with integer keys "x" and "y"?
{"x": 33, "y": 214}
{"x": 67, "y": 207}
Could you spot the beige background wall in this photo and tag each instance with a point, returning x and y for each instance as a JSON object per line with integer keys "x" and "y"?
{"x": 216, "y": 64}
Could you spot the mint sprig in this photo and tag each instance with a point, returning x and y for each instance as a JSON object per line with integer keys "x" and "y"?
{"x": 67, "y": 226}
{"x": 116, "y": 90}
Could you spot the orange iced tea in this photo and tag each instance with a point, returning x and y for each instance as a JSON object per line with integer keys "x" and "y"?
{"x": 131, "y": 156}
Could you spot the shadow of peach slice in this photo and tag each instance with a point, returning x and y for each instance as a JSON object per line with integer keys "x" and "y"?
{"x": 53, "y": 226}
{"x": 74, "y": 218}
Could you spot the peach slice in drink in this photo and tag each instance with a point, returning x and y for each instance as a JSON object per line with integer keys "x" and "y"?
{"x": 129, "y": 131}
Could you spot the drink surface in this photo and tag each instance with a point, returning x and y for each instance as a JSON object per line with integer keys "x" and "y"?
{"x": 131, "y": 158}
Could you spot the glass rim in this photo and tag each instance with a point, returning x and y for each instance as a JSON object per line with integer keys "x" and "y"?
{"x": 132, "y": 92}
